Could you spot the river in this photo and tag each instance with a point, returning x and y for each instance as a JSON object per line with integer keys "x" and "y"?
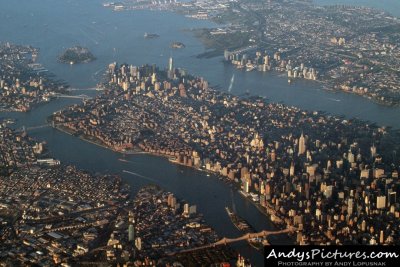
{"x": 53, "y": 26}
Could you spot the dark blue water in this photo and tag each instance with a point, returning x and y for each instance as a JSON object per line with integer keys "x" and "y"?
{"x": 53, "y": 26}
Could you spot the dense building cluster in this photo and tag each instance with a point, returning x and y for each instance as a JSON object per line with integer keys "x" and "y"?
{"x": 59, "y": 215}
{"x": 17, "y": 149}
{"x": 23, "y": 83}
{"x": 162, "y": 226}
{"x": 52, "y": 215}
{"x": 348, "y": 48}
{"x": 334, "y": 179}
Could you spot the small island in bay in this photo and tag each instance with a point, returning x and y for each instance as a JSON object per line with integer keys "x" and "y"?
{"x": 76, "y": 54}
{"x": 177, "y": 45}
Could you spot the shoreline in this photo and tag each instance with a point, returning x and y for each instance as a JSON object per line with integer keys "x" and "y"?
{"x": 213, "y": 50}
{"x": 227, "y": 181}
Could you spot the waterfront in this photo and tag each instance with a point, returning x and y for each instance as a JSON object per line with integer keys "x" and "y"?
{"x": 119, "y": 36}
{"x": 144, "y": 169}
{"x": 184, "y": 182}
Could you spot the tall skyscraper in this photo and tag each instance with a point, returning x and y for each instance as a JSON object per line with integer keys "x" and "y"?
{"x": 170, "y": 64}
{"x": 291, "y": 170}
{"x": 131, "y": 233}
{"x": 350, "y": 206}
{"x": 373, "y": 150}
{"x": 170, "y": 71}
{"x": 302, "y": 145}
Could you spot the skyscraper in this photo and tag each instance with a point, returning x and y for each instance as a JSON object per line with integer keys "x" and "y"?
{"x": 131, "y": 233}
{"x": 302, "y": 145}
{"x": 381, "y": 202}
{"x": 170, "y": 64}
{"x": 170, "y": 71}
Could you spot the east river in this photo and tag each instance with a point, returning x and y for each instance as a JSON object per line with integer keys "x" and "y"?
{"x": 111, "y": 36}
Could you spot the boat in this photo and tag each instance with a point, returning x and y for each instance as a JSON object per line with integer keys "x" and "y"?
{"x": 240, "y": 223}
{"x": 258, "y": 242}
{"x": 150, "y": 35}
{"x": 177, "y": 45}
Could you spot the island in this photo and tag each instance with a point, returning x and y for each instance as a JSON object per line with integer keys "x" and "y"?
{"x": 76, "y": 54}
{"x": 333, "y": 179}
{"x": 177, "y": 45}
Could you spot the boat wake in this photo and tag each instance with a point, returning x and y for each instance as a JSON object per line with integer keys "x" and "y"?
{"x": 334, "y": 99}
{"x": 141, "y": 176}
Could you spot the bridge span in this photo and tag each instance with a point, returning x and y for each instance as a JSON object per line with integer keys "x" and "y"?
{"x": 249, "y": 236}
{"x": 49, "y": 124}
{"x": 85, "y": 89}
{"x": 82, "y": 96}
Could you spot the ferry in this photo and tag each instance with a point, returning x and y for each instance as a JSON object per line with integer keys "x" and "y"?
{"x": 258, "y": 242}
{"x": 240, "y": 223}
{"x": 150, "y": 35}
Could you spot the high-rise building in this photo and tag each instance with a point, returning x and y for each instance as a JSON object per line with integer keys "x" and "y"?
{"x": 363, "y": 225}
{"x": 192, "y": 209}
{"x": 186, "y": 209}
{"x": 153, "y": 78}
{"x": 350, "y": 157}
{"x": 291, "y": 170}
{"x": 381, "y": 202}
{"x": 169, "y": 199}
{"x": 350, "y": 206}
{"x": 373, "y": 150}
{"x": 302, "y": 144}
{"x": 138, "y": 243}
{"x": 131, "y": 233}
{"x": 170, "y": 64}
{"x": 392, "y": 198}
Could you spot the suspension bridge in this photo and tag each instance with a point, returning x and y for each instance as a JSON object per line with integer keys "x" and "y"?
{"x": 81, "y": 96}
{"x": 223, "y": 241}
{"x": 85, "y": 89}
{"x": 49, "y": 124}
{"x": 249, "y": 236}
